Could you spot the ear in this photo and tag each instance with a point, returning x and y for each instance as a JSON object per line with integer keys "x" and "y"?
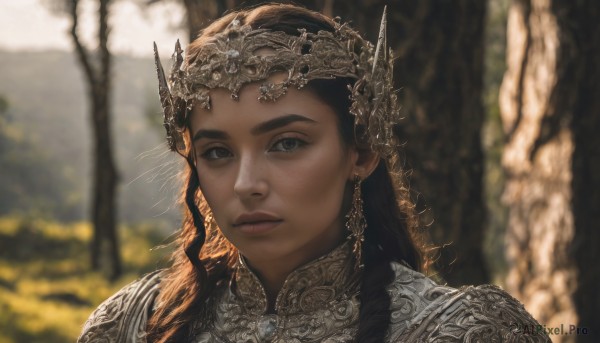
{"x": 365, "y": 162}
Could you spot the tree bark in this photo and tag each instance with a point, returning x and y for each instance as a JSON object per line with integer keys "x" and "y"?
{"x": 104, "y": 245}
{"x": 440, "y": 75}
{"x": 549, "y": 107}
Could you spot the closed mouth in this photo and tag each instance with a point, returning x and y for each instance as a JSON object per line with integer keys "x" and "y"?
{"x": 255, "y": 218}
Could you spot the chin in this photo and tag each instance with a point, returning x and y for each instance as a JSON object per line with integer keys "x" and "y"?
{"x": 265, "y": 251}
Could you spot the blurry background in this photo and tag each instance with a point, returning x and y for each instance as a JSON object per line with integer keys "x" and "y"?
{"x": 501, "y": 112}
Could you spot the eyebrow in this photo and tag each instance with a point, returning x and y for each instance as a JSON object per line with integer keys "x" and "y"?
{"x": 279, "y": 122}
{"x": 259, "y": 129}
{"x": 211, "y": 134}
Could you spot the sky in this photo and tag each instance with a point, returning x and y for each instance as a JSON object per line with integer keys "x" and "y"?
{"x": 30, "y": 25}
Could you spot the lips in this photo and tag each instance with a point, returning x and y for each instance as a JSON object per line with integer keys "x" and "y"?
{"x": 256, "y": 222}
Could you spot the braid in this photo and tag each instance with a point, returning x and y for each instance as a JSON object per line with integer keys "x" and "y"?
{"x": 374, "y": 316}
{"x": 171, "y": 323}
{"x": 193, "y": 249}
{"x": 388, "y": 238}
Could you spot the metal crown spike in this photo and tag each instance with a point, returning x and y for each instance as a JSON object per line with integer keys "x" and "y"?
{"x": 166, "y": 102}
{"x": 162, "y": 79}
{"x": 381, "y": 40}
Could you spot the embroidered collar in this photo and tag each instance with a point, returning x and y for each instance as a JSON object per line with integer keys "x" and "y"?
{"x": 306, "y": 289}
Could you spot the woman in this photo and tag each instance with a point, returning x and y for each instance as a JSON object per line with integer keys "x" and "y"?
{"x": 298, "y": 226}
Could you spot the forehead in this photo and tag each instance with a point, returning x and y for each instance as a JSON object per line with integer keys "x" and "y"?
{"x": 247, "y": 109}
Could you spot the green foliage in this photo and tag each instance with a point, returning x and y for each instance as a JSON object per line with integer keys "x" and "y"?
{"x": 26, "y": 170}
{"x": 46, "y": 290}
{"x": 3, "y": 106}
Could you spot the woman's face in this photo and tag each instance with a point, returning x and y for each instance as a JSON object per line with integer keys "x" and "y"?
{"x": 273, "y": 173}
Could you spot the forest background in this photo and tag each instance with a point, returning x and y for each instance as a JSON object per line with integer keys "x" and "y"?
{"x": 500, "y": 104}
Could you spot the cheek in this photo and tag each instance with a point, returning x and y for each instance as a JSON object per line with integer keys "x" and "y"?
{"x": 215, "y": 188}
{"x": 317, "y": 182}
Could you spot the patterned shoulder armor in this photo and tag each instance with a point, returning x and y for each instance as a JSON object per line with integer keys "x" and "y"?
{"x": 423, "y": 311}
{"x": 122, "y": 318}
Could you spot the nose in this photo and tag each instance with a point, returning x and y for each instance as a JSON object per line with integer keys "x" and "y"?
{"x": 251, "y": 182}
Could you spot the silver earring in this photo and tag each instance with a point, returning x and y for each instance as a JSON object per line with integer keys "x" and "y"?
{"x": 356, "y": 222}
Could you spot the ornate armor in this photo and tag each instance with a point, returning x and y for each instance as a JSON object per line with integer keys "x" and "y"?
{"x": 319, "y": 303}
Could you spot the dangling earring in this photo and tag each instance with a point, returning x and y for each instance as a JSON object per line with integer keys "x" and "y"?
{"x": 356, "y": 222}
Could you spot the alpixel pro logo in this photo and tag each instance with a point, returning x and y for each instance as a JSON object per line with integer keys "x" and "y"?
{"x": 528, "y": 329}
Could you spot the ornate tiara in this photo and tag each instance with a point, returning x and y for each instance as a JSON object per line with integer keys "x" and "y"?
{"x": 229, "y": 60}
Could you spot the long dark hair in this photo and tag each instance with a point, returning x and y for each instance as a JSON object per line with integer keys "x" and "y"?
{"x": 205, "y": 258}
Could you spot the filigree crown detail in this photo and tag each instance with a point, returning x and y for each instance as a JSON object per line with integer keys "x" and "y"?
{"x": 230, "y": 60}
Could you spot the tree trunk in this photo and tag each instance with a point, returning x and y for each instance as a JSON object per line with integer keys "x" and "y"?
{"x": 105, "y": 181}
{"x": 439, "y": 73}
{"x": 550, "y": 110}
{"x": 104, "y": 245}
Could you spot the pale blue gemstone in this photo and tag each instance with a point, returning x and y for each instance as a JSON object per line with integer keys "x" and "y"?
{"x": 267, "y": 326}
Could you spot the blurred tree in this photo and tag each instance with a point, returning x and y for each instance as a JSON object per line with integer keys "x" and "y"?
{"x": 97, "y": 70}
{"x": 551, "y": 113}
{"x": 439, "y": 47}
{"x": 439, "y": 67}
